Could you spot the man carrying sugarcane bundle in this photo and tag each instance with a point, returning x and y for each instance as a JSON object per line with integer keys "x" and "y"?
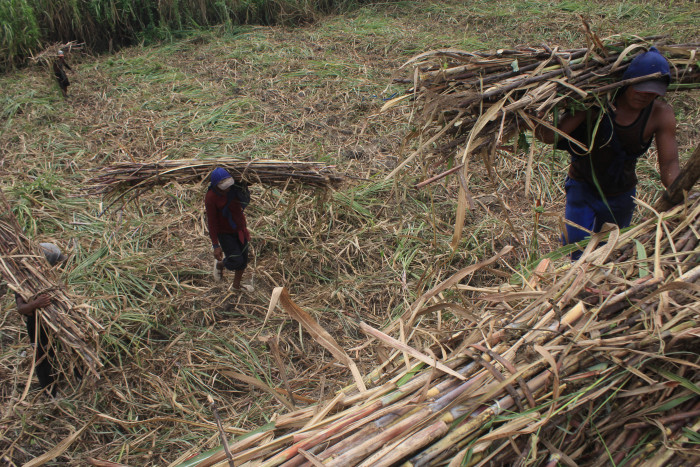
{"x": 224, "y": 202}
{"x": 601, "y": 183}
{"x": 38, "y": 336}
{"x": 60, "y": 73}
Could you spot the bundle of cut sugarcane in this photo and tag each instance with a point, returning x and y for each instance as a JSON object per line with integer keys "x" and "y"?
{"x": 475, "y": 101}
{"x": 145, "y": 175}
{"x": 28, "y": 273}
{"x": 49, "y": 53}
{"x": 593, "y": 363}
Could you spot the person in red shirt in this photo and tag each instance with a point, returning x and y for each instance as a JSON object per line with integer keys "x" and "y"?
{"x": 224, "y": 202}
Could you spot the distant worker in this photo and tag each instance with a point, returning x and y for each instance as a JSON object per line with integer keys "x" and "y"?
{"x": 601, "y": 183}
{"x": 224, "y": 202}
{"x": 44, "y": 353}
{"x": 60, "y": 72}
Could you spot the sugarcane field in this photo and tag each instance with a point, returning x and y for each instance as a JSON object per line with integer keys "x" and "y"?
{"x": 350, "y": 233}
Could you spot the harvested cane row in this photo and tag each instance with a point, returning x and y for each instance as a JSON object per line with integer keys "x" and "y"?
{"x": 581, "y": 365}
{"x": 473, "y": 102}
{"x": 146, "y": 175}
{"x": 28, "y": 274}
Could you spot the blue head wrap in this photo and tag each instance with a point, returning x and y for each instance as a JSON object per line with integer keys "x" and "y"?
{"x": 219, "y": 174}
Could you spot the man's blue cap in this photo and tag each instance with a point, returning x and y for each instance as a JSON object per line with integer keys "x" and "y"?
{"x": 646, "y": 64}
{"x": 218, "y": 175}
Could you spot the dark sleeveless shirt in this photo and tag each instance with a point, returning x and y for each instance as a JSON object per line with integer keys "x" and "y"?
{"x": 612, "y": 162}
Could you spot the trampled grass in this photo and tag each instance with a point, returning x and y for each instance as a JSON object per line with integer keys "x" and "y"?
{"x": 365, "y": 252}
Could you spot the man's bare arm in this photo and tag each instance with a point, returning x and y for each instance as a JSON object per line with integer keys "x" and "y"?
{"x": 666, "y": 144}
{"x": 568, "y": 123}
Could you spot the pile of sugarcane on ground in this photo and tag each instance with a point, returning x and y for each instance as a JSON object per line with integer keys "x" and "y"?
{"x": 28, "y": 273}
{"x": 591, "y": 363}
{"x": 142, "y": 176}
{"x": 471, "y": 102}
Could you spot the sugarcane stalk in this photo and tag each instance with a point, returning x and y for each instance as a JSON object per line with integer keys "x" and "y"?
{"x": 283, "y": 371}
{"x": 351, "y": 456}
{"x": 664, "y": 420}
{"x": 417, "y": 441}
{"x": 222, "y": 434}
{"x": 364, "y": 433}
{"x": 324, "y": 435}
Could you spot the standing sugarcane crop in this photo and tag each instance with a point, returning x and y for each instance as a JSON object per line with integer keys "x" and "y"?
{"x": 601, "y": 181}
{"x": 224, "y": 202}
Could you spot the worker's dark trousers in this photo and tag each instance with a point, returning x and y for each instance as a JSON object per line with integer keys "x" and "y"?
{"x": 43, "y": 354}
{"x": 585, "y": 207}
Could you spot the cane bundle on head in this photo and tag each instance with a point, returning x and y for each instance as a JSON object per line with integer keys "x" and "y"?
{"x": 136, "y": 177}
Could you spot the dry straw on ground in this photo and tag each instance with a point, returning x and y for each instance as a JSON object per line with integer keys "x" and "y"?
{"x": 592, "y": 362}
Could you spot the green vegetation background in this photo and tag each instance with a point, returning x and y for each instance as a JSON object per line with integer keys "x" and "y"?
{"x": 29, "y": 25}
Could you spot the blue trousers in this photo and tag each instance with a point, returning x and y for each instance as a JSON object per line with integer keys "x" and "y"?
{"x": 585, "y": 207}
